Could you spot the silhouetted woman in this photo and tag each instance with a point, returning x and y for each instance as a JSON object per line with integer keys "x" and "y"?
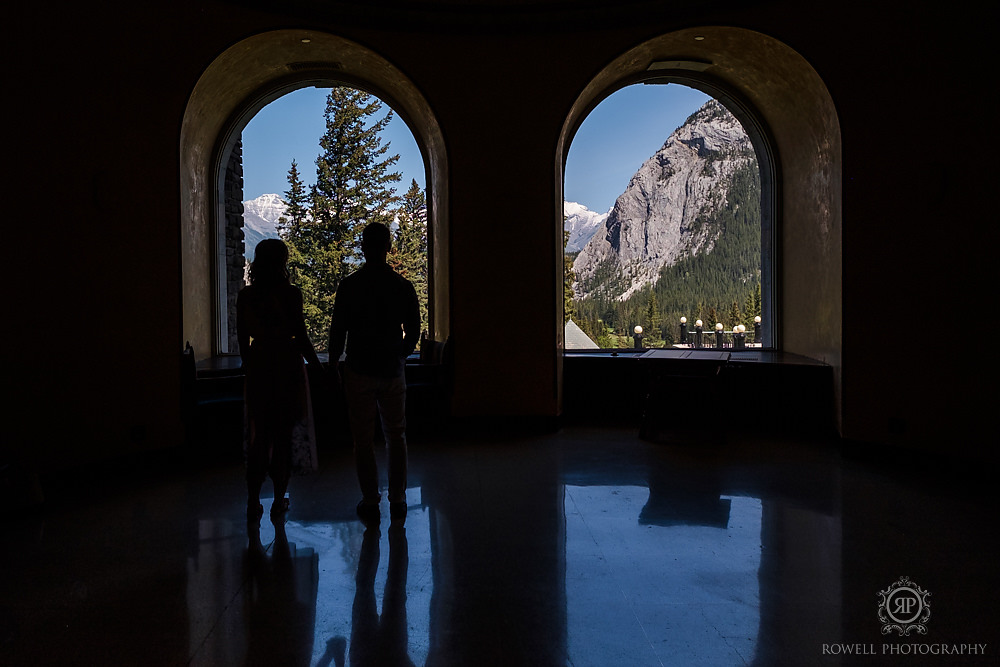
{"x": 273, "y": 342}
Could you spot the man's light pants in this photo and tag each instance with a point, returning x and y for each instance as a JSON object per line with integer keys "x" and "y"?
{"x": 368, "y": 398}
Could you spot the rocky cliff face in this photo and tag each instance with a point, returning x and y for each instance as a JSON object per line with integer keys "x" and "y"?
{"x": 666, "y": 211}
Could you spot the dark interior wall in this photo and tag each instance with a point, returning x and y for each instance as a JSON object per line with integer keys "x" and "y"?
{"x": 91, "y": 353}
{"x": 101, "y": 95}
{"x": 501, "y": 128}
{"x": 915, "y": 217}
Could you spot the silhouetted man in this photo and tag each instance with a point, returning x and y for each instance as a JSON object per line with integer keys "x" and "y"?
{"x": 377, "y": 313}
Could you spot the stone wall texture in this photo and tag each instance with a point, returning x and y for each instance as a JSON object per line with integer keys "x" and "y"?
{"x": 235, "y": 250}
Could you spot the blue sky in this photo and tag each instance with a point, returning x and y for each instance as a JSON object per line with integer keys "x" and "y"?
{"x": 611, "y": 144}
{"x": 624, "y": 131}
{"x": 290, "y": 128}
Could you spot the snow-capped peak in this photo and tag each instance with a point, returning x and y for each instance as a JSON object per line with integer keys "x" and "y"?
{"x": 581, "y": 223}
{"x": 267, "y": 207}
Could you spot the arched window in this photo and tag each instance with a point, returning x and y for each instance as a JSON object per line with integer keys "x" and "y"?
{"x": 229, "y": 93}
{"x": 787, "y": 110}
{"x": 278, "y": 183}
{"x": 677, "y": 223}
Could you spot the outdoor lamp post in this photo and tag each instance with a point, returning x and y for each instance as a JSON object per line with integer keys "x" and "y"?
{"x": 697, "y": 333}
{"x": 637, "y": 337}
{"x": 756, "y": 329}
{"x": 739, "y": 337}
{"x": 718, "y": 335}
{"x": 684, "y": 330}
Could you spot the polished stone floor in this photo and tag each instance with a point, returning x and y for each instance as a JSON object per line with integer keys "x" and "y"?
{"x": 584, "y": 547}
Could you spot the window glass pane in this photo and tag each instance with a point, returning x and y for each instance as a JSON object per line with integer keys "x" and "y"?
{"x": 302, "y": 185}
{"x": 662, "y": 222}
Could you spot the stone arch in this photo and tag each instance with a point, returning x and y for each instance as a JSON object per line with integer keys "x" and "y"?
{"x": 781, "y": 94}
{"x": 237, "y": 84}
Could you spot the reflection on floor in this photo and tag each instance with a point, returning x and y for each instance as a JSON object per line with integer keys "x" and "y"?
{"x": 586, "y": 547}
{"x": 687, "y": 579}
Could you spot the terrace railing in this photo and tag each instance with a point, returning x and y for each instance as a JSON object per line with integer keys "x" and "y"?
{"x": 738, "y": 338}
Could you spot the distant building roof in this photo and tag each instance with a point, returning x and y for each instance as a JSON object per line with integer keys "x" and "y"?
{"x": 576, "y": 339}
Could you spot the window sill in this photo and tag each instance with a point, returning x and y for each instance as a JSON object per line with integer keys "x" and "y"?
{"x": 736, "y": 357}
{"x": 230, "y": 365}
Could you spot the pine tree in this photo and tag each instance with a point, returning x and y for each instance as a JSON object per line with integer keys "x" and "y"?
{"x": 735, "y": 316}
{"x": 409, "y": 253}
{"x": 296, "y": 204}
{"x": 353, "y": 188}
{"x": 289, "y": 227}
{"x": 654, "y": 322}
{"x": 748, "y": 309}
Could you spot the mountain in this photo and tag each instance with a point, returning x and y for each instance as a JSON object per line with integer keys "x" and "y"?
{"x": 670, "y": 208}
{"x": 260, "y": 219}
{"x": 581, "y": 223}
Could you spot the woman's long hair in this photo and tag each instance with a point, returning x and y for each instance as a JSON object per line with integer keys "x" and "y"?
{"x": 270, "y": 263}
